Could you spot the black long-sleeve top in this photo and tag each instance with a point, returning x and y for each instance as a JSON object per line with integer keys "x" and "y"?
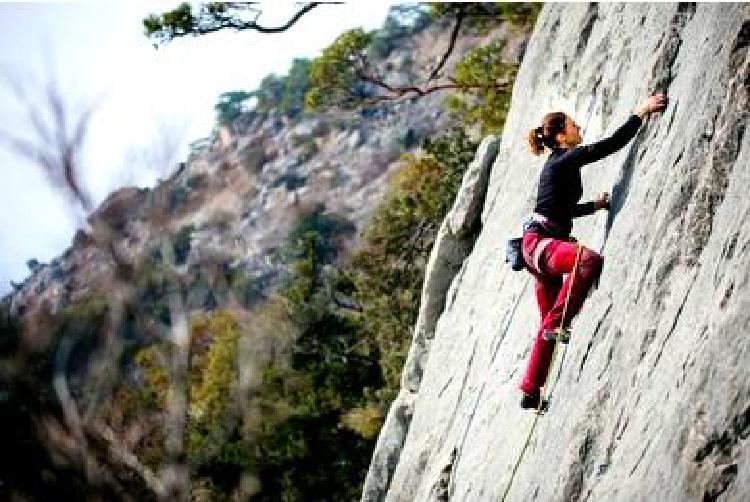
{"x": 560, "y": 185}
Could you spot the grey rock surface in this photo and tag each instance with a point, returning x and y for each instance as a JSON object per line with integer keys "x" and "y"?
{"x": 388, "y": 448}
{"x": 653, "y": 399}
{"x": 470, "y": 197}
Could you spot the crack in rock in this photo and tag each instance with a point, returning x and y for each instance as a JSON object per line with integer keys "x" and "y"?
{"x": 466, "y": 433}
{"x": 592, "y": 14}
{"x": 455, "y": 240}
{"x": 663, "y": 71}
{"x": 640, "y": 458}
{"x": 440, "y": 490}
{"x": 674, "y": 323}
{"x": 591, "y": 341}
{"x": 509, "y": 314}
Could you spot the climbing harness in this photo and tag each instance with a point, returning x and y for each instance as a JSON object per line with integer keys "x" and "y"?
{"x": 561, "y": 335}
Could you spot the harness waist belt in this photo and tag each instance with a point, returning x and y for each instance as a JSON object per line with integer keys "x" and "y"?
{"x": 544, "y": 226}
{"x": 540, "y": 218}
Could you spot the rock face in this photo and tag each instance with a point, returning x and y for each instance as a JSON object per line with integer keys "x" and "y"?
{"x": 653, "y": 400}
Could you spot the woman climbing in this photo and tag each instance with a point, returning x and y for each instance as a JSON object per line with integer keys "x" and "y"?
{"x": 548, "y": 250}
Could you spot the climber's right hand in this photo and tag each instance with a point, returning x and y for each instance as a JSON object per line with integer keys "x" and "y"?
{"x": 657, "y": 102}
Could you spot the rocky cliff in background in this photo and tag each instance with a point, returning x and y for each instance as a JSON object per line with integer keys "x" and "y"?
{"x": 653, "y": 400}
{"x": 242, "y": 191}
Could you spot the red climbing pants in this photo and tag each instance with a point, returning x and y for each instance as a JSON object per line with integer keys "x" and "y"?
{"x": 551, "y": 262}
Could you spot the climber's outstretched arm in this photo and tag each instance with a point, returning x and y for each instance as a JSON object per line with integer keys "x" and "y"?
{"x": 585, "y": 154}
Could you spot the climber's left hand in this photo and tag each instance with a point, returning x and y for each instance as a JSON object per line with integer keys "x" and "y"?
{"x": 602, "y": 202}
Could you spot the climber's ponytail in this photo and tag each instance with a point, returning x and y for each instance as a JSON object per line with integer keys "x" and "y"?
{"x": 545, "y": 135}
{"x": 535, "y": 141}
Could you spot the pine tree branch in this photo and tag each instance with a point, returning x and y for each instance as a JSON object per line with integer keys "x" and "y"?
{"x": 212, "y": 21}
{"x": 397, "y": 92}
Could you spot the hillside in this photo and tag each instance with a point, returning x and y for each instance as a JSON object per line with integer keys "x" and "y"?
{"x": 241, "y": 192}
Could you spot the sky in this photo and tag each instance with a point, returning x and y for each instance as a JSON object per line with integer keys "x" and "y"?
{"x": 150, "y": 104}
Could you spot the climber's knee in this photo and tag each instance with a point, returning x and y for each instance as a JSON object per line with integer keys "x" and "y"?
{"x": 591, "y": 264}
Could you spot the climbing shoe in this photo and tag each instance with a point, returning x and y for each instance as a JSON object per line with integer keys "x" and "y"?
{"x": 531, "y": 402}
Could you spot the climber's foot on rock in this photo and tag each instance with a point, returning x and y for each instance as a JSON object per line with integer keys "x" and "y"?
{"x": 532, "y": 402}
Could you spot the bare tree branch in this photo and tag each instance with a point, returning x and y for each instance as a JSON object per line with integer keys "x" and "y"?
{"x": 466, "y": 12}
{"x": 54, "y": 149}
{"x": 460, "y": 14}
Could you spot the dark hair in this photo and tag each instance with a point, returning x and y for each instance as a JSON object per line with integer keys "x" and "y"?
{"x": 545, "y": 135}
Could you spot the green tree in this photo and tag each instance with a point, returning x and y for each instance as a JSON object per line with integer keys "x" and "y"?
{"x": 321, "y": 230}
{"x": 181, "y": 244}
{"x": 217, "y": 447}
{"x": 479, "y": 69}
{"x": 286, "y": 93}
{"x": 296, "y": 84}
{"x": 401, "y": 22}
{"x": 337, "y": 75}
{"x": 308, "y": 449}
{"x": 231, "y": 105}
{"x": 346, "y": 74}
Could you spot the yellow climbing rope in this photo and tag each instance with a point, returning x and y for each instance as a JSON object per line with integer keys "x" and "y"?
{"x": 560, "y": 333}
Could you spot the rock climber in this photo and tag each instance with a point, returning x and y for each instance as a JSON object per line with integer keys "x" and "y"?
{"x": 548, "y": 249}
